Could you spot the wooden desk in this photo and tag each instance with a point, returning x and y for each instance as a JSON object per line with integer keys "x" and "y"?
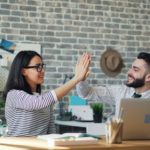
{"x": 31, "y": 143}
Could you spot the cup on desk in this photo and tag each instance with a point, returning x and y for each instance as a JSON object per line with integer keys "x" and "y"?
{"x": 114, "y": 131}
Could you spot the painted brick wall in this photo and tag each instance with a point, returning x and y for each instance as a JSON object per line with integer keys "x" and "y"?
{"x": 67, "y": 28}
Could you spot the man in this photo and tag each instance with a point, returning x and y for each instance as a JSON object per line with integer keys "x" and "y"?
{"x": 138, "y": 82}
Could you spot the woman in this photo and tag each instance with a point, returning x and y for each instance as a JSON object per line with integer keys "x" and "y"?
{"x": 27, "y": 111}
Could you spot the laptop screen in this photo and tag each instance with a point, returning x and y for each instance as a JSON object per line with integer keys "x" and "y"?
{"x": 136, "y": 117}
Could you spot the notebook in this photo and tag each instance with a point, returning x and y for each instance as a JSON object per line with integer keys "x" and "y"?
{"x": 136, "y": 117}
{"x": 67, "y": 139}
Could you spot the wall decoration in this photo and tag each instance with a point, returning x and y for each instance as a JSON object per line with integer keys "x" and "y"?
{"x": 8, "y": 51}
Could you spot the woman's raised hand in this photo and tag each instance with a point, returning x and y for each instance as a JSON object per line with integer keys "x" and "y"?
{"x": 82, "y": 67}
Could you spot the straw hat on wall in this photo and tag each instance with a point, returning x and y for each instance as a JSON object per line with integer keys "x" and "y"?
{"x": 111, "y": 62}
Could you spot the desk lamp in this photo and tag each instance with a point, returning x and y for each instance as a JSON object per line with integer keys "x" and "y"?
{"x": 61, "y": 103}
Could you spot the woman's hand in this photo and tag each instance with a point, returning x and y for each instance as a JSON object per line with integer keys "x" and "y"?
{"x": 81, "y": 72}
{"x": 82, "y": 67}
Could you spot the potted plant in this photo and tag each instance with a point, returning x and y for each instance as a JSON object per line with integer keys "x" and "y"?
{"x": 67, "y": 116}
{"x": 97, "y": 111}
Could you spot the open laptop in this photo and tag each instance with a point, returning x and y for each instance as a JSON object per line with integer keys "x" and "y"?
{"x": 136, "y": 117}
{"x": 83, "y": 113}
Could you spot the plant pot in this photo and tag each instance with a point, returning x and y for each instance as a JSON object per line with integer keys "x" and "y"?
{"x": 66, "y": 118}
{"x": 97, "y": 118}
{"x": 97, "y": 112}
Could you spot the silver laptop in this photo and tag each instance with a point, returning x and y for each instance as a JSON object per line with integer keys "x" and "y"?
{"x": 136, "y": 117}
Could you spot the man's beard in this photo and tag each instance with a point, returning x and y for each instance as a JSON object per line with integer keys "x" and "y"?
{"x": 137, "y": 83}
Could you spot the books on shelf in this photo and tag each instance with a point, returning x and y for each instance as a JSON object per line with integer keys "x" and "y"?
{"x": 67, "y": 139}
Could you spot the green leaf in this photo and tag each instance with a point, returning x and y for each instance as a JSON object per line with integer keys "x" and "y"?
{"x": 97, "y": 108}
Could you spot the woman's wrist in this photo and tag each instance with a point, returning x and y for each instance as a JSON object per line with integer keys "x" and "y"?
{"x": 75, "y": 80}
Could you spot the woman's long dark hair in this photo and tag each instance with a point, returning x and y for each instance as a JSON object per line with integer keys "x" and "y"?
{"x": 15, "y": 78}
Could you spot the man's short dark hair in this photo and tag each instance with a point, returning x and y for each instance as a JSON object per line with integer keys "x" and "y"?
{"x": 145, "y": 57}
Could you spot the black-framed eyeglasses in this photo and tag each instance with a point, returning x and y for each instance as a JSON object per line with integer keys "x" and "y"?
{"x": 38, "y": 67}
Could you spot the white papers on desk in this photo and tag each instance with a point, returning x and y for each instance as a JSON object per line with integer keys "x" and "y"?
{"x": 67, "y": 139}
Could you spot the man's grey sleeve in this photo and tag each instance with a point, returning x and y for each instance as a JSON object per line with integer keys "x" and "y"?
{"x": 100, "y": 93}
{"x": 83, "y": 89}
